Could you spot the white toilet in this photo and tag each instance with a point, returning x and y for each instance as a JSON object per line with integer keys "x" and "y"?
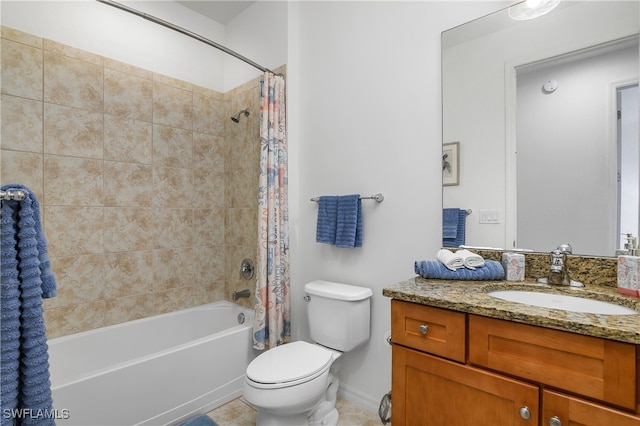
{"x": 296, "y": 383}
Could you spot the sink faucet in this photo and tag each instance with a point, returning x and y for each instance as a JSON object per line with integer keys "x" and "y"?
{"x": 558, "y": 273}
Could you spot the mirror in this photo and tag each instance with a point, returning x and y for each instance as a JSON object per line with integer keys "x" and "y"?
{"x": 532, "y": 107}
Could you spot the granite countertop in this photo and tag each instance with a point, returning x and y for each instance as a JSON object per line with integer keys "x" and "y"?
{"x": 471, "y": 297}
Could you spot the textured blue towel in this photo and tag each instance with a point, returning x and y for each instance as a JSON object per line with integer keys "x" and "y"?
{"x": 460, "y": 236}
{"x": 201, "y": 420}
{"x": 349, "y": 221}
{"x": 327, "y": 219}
{"x": 491, "y": 270}
{"x": 450, "y": 223}
{"x": 26, "y": 278}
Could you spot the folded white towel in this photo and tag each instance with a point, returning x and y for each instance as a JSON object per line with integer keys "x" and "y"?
{"x": 449, "y": 259}
{"x": 470, "y": 259}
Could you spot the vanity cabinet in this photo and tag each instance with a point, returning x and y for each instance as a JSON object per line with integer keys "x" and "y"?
{"x": 453, "y": 368}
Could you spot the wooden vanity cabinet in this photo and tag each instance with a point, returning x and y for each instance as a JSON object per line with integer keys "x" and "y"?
{"x": 509, "y": 373}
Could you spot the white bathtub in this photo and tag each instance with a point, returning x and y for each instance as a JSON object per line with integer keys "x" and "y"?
{"x": 153, "y": 371}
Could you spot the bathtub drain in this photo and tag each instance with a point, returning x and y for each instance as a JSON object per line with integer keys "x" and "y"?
{"x": 241, "y": 318}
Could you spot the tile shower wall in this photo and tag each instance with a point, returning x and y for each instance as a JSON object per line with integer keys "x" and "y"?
{"x": 147, "y": 188}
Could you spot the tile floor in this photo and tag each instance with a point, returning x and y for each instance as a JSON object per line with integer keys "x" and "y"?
{"x": 240, "y": 413}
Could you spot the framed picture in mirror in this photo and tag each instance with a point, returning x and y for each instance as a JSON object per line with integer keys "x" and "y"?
{"x": 451, "y": 164}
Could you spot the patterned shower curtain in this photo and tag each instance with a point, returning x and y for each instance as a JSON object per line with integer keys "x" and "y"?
{"x": 271, "y": 326}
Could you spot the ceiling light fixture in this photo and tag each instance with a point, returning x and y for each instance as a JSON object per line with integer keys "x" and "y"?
{"x": 531, "y": 9}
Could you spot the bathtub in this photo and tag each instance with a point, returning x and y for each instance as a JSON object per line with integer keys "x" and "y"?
{"x": 153, "y": 371}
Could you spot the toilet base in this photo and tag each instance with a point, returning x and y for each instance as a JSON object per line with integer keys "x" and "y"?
{"x": 267, "y": 419}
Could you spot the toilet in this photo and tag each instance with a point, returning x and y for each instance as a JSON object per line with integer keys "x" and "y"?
{"x": 296, "y": 384}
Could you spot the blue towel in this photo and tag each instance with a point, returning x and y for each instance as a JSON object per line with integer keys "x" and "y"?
{"x": 450, "y": 223}
{"x": 349, "y": 221}
{"x": 326, "y": 225}
{"x": 492, "y": 270}
{"x": 461, "y": 220}
{"x": 201, "y": 420}
{"x": 340, "y": 220}
{"x": 26, "y": 279}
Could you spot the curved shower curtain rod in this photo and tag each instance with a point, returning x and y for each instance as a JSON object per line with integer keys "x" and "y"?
{"x": 185, "y": 32}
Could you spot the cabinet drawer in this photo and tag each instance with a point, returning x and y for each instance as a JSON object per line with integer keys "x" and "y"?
{"x": 590, "y": 366}
{"x": 437, "y": 331}
{"x": 570, "y": 410}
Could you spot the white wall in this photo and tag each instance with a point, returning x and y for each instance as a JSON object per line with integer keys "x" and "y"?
{"x": 369, "y": 116}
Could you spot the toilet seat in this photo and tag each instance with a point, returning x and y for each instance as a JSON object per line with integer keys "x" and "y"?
{"x": 289, "y": 365}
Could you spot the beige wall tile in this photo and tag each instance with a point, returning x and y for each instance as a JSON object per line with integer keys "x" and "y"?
{"x": 208, "y": 152}
{"x": 73, "y": 181}
{"x": 129, "y": 308}
{"x": 128, "y": 140}
{"x": 72, "y": 82}
{"x": 208, "y": 114}
{"x": 80, "y": 279}
{"x": 25, "y": 168}
{"x": 172, "y": 227}
{"x": 172, "y": 106}
{"x": 172, "y": 268}
{"x": 21, "y": 37}
{"x": 208, "y": 225}
{"x": 22, "y": 67}
{"x": 208, "y": 189}
{"x": 22, "y": 124}
{"x": 139, "y": 221}
{"x": 128, "y": 229}
{"x": 172, "y": 188}
{"x": 208, "y": 264}
{"x": 73, "y": 131}
{"x": 74, "y": 318}
{"x": 127, "y": 95}
{"x": 172, "y": 147}
{"x": 128, "y": 184}
{"x": 127, "y": 274}
{"x": 73, "y": 230}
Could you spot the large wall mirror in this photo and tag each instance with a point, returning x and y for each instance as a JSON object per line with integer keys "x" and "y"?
{"x": 544, "y": 114}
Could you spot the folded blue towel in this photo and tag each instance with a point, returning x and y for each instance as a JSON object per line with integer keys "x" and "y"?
{"x": 26, "y": 279}
{"x": 460, "y": 233}
{"x": 349, "y": 221}
{"x": 450, "y": 223}
{"x": 201, "y": 420}
{"x": 492, "y": 270}
{"x": 327, "y": 219}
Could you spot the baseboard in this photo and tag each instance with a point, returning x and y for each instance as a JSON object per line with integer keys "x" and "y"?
{"x": 367, "y": 402}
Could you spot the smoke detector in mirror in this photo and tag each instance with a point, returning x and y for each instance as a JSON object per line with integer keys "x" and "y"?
{"x": 549, "y": 86}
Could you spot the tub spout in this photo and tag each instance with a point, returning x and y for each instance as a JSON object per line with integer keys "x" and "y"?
{"x": 240, "y": 294}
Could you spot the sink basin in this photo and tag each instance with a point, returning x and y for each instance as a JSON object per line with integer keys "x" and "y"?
{"x": 561, "y": 301}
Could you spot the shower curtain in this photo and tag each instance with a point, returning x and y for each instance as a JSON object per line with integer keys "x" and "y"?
{"x": 271, "y": 326}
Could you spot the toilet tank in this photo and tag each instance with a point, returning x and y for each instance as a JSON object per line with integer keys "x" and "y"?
{"x": 339, "y": 314}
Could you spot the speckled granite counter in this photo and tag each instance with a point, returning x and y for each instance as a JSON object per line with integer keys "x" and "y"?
{"x": 472, "y": 297}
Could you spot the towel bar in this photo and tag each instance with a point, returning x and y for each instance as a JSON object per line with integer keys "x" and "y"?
{"x": 12, "y": 194}
{"x": 378, "y": 197}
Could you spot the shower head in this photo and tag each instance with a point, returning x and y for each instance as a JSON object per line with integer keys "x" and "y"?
{"x": 236, "y": 117}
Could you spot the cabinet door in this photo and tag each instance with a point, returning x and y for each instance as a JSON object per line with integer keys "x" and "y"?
{"x": 427, "y": 390}
{"x": 563, "y": 410}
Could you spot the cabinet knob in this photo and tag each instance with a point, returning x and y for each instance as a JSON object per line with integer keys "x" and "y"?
{"x": 555, "y": 421}
{"x": 423, "y": 329}
{"x": 524, "y": 412}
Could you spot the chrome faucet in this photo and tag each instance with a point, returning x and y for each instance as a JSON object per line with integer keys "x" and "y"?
{"x": 558, "y": 273}
{"x": 239, "y": 294}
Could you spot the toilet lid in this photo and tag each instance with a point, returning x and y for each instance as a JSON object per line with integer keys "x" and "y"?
{"x": 289, "y": 363}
